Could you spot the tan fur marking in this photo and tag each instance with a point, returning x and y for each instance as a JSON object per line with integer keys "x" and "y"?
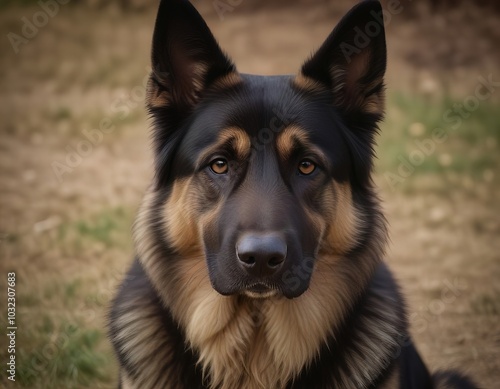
{"x": 261, "y": 344}
{"x": 180, "y": 218}
{"x": 238, "y": 138}
{"x": 307, "y": 83}
{"x": 297, "y": 328}
{"x": 375, "y": 104}
{"x": 168, "y": 281}
{"x": 156, "y": 98}
{"x": 234, "y": 136}
{"x": 126, "y": 382}
{"x": 228, "y": 81}
{"x": 338, "y": 74}
{"x": 318, "y": 221}
{"x": 144, "y": 239}
{"x": 346, "y": 220}
{"x": 193, "y": 279}
{"x": 287, "y": 139}
{"x": 349, "y": 93}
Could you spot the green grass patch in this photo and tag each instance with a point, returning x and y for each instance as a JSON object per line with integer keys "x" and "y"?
{"x": 61, "y": 113}
{"x": 109, "y": 228}
{"x": 486, "y": 304}
{"x": 62, "y": 356}
{"x": 29, "y": 300}
{"x": 431, "y": 136}
{"x": 61, "y": 340}
{"x": 63, "y": 292}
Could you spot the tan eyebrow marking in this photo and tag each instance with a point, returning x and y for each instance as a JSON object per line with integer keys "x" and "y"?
{"x": 293, "y": 136}
{"x": 287, "y": 140}
{"x": 234, "y": 136}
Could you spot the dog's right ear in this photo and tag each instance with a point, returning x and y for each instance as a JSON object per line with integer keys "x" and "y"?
{"x": 186, "y": 58}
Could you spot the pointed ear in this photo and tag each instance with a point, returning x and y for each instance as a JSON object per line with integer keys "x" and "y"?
{"x": 352, "y": 61}
{"x": 186, "y": 58}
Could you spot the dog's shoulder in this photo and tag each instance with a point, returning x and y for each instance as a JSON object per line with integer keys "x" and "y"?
{"x": 149, "y": 345}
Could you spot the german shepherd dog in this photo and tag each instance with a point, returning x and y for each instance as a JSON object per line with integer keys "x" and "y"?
{"x": 259, "y": 244}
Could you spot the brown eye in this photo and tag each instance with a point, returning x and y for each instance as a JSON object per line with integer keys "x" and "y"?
{"x": 219, "y": 166}
{"x": 306, "y": 167}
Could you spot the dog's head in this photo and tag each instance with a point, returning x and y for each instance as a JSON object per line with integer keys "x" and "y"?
{"x": 264, "y": 174}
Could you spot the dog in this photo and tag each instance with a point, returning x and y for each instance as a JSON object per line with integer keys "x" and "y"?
{"x": 260, "y": 242}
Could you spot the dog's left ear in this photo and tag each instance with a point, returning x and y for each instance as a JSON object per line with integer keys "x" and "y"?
{"x": 352, "y": 62}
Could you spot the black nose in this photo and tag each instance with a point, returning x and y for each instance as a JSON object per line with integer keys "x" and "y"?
{"x": 261, "y": 254}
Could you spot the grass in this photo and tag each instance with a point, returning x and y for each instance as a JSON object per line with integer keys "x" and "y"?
{"x": 104, "y": 227}
{"x": 467, "y": 146}
{"x": 61, "y": 342}
{"x": 65, "y": 353}
{"x": 109, "y": 228}
{"x": 60, "y": 113}
{"x": 487, "y": 304}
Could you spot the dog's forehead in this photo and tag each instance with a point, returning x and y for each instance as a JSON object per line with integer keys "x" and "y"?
{"x": 263, "y": 108}
{"x": 262, "y": 102}
{"x": 257, "y": 104}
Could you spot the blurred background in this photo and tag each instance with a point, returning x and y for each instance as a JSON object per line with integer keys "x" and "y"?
{"x": 69, "y": 190}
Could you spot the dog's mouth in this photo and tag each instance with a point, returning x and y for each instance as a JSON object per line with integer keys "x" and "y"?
{"x": 260, "y": 290}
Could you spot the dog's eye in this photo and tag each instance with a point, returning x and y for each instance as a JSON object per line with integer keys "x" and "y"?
{"x": 306, "y": 167}
{"x": 219, "y": 166}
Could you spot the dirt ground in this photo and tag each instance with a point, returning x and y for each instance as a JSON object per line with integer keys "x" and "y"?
{"x": 66, "y": 234}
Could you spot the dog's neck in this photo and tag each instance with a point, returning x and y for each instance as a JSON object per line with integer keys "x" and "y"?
{"x": 251, "y": 343}
{"x": 256, "y": 344}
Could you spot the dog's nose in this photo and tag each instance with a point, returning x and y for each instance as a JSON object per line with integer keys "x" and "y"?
{"x": 261, "y": 254}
